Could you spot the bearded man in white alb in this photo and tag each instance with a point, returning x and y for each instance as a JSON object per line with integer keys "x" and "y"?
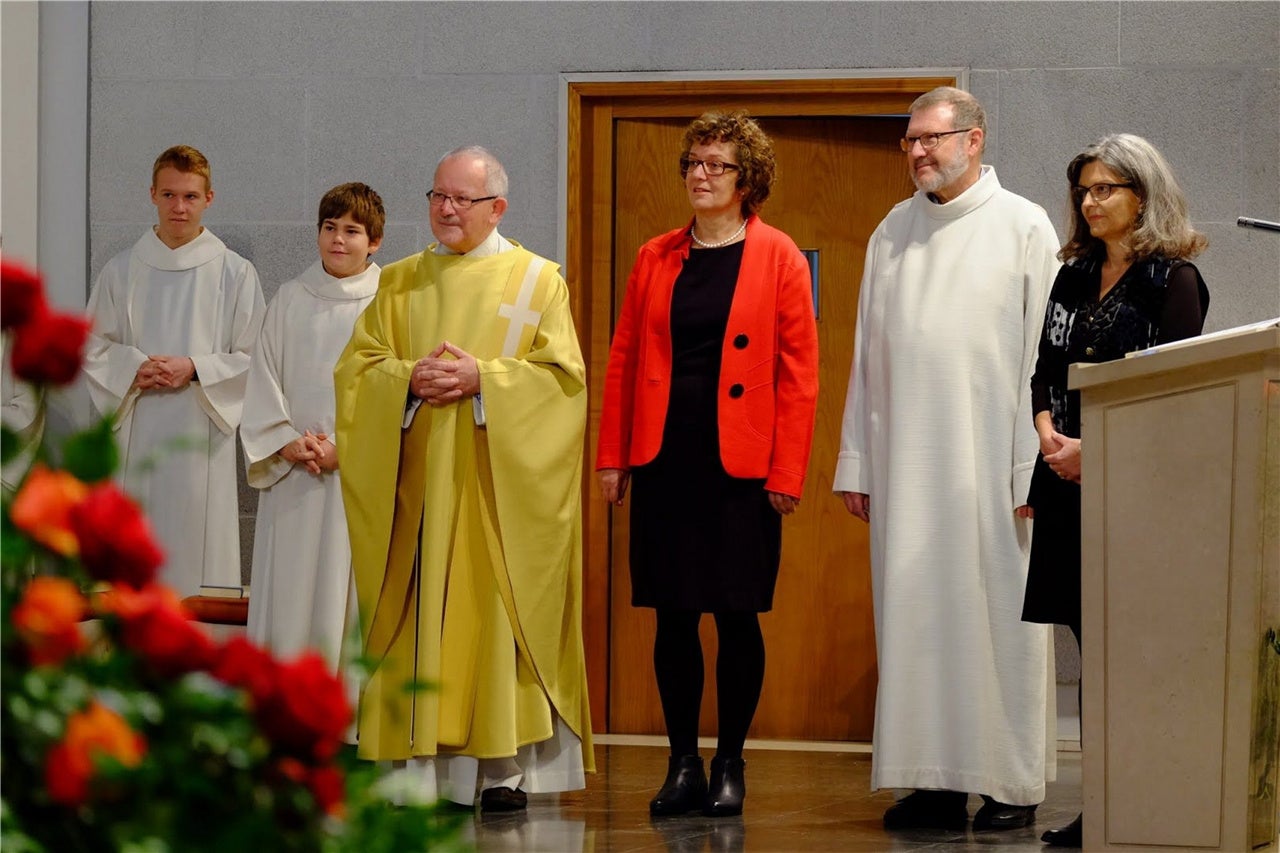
{"x": 174, "y": 317}
{"x": 936, "y": 454}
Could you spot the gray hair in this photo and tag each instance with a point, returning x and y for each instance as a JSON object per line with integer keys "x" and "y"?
{"x": 1163, "y": 226}
{"x": 495, "y": 177}
{"x": 967, "y": 109}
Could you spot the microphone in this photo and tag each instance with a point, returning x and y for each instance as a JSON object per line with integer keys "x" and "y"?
{"x": 1262, "y": 224}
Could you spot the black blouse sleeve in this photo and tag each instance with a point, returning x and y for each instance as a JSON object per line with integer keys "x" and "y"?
{"x": 1040, "y": 401}
{"x": 1049, "y": 358}
{"x": 1185, "y": 305}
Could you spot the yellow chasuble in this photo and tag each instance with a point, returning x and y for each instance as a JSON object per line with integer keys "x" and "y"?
{"x": 467, "y": 540}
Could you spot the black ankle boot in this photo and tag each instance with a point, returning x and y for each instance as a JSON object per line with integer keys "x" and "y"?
{"x": 1071, "y": 835}
{"x": 685, "y": 787}
{"x": 728, "y": 787}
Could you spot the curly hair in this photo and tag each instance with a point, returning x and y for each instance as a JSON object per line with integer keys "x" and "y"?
{"x": 755, "y": 152}
{"x": 1163, "y": 227}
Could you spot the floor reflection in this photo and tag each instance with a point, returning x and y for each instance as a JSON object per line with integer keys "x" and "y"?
{"x": 796, "y": 801}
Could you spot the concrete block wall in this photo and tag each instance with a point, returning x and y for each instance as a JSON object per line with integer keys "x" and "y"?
{"x": 288, "y": 99}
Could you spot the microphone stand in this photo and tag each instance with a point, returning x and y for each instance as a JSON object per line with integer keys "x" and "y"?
{"x": 1260, "y": 224}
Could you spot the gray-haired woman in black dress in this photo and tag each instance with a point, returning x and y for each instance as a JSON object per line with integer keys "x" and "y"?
{"x": 1127, "y": 284}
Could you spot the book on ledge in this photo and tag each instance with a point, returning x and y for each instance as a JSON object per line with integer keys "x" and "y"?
{"x": 224, "y": 591}
{"x": 1211, "y": 336}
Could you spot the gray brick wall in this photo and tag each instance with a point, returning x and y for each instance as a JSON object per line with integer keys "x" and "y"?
{"x": 288, "y": 99}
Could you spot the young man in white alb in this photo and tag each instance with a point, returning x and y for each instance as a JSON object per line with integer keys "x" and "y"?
{"x": 174, "y": 318}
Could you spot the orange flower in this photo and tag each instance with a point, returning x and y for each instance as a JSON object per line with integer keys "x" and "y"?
{"x": 48, "y": 619}
{"x": 92, "y": 734}
{"x": 42, "y": 508}
{"x": 127, "y": 603}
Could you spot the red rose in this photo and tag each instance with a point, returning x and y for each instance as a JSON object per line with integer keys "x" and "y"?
{"x": 115, "y": 539}
{"x": 49, "y": 348}
{"x": 307, "y": 712}
{"x": 65, "y": 776}
{"x": 291, "y": 769}
{"x": 48, "y": 619}
{"x": 21, "y": 295}
{"x": 242, "y": 664}
{"x": 157, "y": 627}
{"x": 328, "y": 787}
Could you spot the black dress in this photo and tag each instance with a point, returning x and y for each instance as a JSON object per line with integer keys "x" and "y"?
{"x": 1156, "y": 300}
{"x": 700, "y": 539}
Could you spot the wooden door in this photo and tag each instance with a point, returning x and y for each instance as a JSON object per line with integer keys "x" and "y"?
{"x": 837, "y": 178}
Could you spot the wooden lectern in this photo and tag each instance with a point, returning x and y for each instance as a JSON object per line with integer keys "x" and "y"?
{"x": 1181, "y": 595}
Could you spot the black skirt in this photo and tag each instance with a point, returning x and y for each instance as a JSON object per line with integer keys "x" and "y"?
{"x": 1053, "y": 579}
{"x": 700, "y": 539}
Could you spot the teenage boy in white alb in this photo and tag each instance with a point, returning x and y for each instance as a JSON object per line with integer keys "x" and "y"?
{"x": 174, "y": 318}
{"x": 303, "y": 594}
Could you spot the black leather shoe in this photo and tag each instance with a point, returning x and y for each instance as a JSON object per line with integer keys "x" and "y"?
{"x": 503, "y": 800}
{"x": 996, "y": 815}
{"x": 928, "y": 810}
{"x": 684, "y": 789}
{"x": 1071, "y": 835}
{"x": 727, "y": 789}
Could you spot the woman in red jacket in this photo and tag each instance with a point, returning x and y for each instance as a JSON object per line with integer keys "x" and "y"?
{"x": 708, "y": 412}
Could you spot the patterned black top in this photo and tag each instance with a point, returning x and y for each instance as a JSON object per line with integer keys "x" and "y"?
{"x": 1156, "y": 300}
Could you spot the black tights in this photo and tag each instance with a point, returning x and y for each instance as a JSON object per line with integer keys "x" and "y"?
{"x": 677, "y": 661}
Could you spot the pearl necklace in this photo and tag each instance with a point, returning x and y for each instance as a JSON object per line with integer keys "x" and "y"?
{"x": 734, "y": 236}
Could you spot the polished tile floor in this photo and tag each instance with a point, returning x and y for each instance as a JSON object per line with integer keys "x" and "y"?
{"x": 796, "y": 801}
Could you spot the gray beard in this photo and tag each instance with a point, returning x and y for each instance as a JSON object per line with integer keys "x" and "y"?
{"x": 942, "y": 177}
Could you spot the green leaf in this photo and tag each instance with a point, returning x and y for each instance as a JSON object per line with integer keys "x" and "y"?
{"x": 15, "y": 547}
{"x": 92, "y": 455}
{"x": 10, "y": 445}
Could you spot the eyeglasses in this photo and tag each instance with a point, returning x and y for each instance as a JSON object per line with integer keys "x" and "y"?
{"x": 712, "y": 168}
{"x": 459, "y": 202}
{"x": 1100, "y": 192}
{"x": 928, "y": 141}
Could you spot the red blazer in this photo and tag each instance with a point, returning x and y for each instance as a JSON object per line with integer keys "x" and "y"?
{"x": 768, "y": 370}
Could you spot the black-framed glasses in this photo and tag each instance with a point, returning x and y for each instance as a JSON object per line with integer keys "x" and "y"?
{"x": 459, "y": 202}
{"x": 1100, "y": 191}
{"x": 712, "y": 168}
{"x": 928, "y": 141}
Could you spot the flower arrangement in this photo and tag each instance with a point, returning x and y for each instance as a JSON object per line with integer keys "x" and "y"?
{"x": 123, "y": 725}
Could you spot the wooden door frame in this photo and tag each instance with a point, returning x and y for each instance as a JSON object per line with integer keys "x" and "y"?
{"x": 590, "y": 104}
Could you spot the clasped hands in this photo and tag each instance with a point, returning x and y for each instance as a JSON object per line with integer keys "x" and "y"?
{"x": 314, "y": 451}
{"x": 164, "y": 371}
{"x": 439, "y": 380}
{"x": 1061, "y": 454}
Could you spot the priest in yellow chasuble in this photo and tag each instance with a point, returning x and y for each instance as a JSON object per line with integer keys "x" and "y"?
{"x": 461, "y": 408}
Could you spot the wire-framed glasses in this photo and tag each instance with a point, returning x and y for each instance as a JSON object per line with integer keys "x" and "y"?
{"x": 928, "y": 141}
{"x": 459, "y": 202}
